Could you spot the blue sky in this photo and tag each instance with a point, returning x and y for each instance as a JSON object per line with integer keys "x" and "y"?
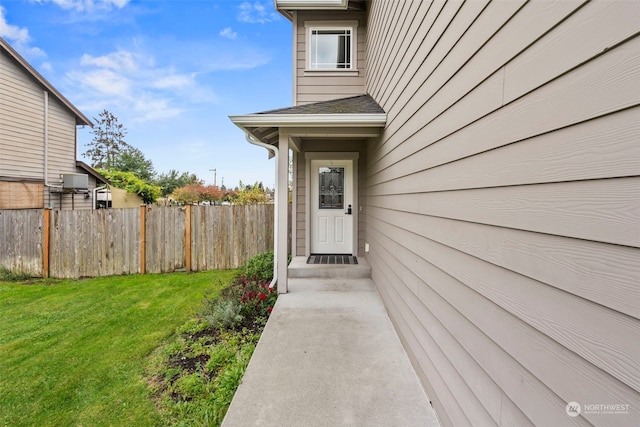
{"x": 171, "y": 71}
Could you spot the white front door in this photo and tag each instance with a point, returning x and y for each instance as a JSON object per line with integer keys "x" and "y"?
{"x": 332, "y": 206}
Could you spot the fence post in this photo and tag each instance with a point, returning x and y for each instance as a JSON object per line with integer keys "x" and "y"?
{"x": 46, "y": 228}
{"x": 187, "y": 240}
{"x": 143, "y": 239}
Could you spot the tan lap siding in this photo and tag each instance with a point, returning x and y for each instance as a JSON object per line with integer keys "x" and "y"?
{"x": 502, "y": 203}
{"x": 62, "y": 151}
{"x": 321, "y": 86}
{"x": 21, "y": 122}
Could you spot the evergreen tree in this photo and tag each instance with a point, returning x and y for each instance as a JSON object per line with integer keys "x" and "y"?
{"x": 108, "y": 141}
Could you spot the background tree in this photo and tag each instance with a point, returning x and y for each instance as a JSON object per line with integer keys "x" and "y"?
{"x": 196, "y": 193}
{"x": 211, "y": 193}
{"x": 173, "y": 180}
{"x": 108, "y": 141}
{"x": 187, "y": 194}
{"x": 133, "y": 160}
{"x": 251, "y": 194}
{"x": 128, "y": 181}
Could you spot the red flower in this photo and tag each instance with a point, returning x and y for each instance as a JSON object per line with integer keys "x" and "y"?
{"x": 262, "y": 296}
{"x": 270, "y": 310}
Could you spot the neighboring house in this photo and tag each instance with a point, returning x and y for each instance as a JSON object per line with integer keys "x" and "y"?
{"x": 37, "y": 141}
{"x": 105, "y": 194}
{"x": 490, "y": 153}
{"x": 114, "y": 197}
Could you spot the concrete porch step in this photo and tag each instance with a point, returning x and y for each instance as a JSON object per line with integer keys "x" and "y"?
{"x": 299, "y": 269}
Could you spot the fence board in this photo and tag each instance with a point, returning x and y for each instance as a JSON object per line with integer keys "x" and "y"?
{"x": 165, "y": 236}
{"x": 21, "y": 240}
{"x": 104, "y": 242}
{"x": 93, "y": 243}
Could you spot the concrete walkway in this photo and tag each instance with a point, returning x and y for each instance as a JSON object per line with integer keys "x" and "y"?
{"x": 329, "y": 356}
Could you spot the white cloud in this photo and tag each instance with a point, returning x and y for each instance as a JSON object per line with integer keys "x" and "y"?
{"x": 257, "y": 13}
{"x": 151, "y": 108}
{"x": 88, "y": 5}
{"x": 173, "y": 81}
{"x": 19, "y": 38}
{"x": 228, "y": 33}
{"x": 121, "y": 60}
{"x": 46, "y": 66}
{"x": 101, "y": 83}
{"x": 12, "y": 32}
{"x": 130, "y": 81}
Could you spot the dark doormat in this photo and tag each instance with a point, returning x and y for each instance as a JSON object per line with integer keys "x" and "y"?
{"x": 332, "y": 259}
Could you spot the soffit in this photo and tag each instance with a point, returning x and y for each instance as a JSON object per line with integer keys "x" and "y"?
{"x": 287, "y": 7}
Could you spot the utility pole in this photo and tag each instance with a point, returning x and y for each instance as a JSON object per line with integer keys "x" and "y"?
{"x": 214, "y": 176}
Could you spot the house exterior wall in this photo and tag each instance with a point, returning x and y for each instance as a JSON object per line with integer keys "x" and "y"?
{"x": 21, "y": 123}
{"x": 121, "y": 198}
{"x": 316, "y": 86}
{"x": 21, "y": 195}
{"x": 330, "y": 146}
{"x": 22, "y": 140}
{"x": 502, "y": 204}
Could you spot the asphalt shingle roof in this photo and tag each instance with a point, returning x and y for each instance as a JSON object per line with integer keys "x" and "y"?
{"x": 361, "y": 104}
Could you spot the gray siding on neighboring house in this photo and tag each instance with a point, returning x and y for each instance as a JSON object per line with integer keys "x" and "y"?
{"x": 503, "y": 203}
{"x": 316, "y": 86}
{"x": 22, "y": 135}
{"x": 62, "y": 154}
{"x": 21, "y": 123}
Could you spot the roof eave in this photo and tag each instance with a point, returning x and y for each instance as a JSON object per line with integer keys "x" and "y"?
{"x": 312, "y": 4}
{"x": 91, "y": 171}
{"x": 267, "y": 127}
{"x": 310, "y": 120}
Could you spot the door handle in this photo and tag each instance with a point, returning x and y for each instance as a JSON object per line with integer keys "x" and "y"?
{"x": 348, "y": 212}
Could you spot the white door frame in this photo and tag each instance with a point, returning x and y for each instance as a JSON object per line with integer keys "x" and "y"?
{"x": 354, "y": 156}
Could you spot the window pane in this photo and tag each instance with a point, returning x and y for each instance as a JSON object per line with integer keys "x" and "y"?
{"x": 330, "y": 49}
{"x": 331, "y": 189}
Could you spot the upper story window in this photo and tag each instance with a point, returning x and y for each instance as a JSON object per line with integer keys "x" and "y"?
{"x": 331, "y": 47}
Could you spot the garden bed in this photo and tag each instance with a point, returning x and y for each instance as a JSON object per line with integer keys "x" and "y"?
{"x": 193, "y": 377}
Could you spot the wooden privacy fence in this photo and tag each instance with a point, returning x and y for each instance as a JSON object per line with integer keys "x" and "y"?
{"x": 104, "y": 242}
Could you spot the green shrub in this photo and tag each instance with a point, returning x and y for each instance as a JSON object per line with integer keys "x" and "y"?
{"x": 260, "y": 267}
{"x": 7, "y": 275}
{"x": 225, "y": 315}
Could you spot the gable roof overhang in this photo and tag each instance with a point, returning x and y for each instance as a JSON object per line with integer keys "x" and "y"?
{"x": 353, "y": 117}
{"x": 91, "y": 171}
{"x": 81, "y": 119}
{"x": 287, "y": 7}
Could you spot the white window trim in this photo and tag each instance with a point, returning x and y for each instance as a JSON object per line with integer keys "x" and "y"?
{"x": 332, "y": 25}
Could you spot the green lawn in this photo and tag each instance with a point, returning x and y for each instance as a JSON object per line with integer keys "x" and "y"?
{"x": 74, "y": 352}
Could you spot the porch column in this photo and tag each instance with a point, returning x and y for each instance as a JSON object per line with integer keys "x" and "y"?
{"x": 282, "y": 204}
